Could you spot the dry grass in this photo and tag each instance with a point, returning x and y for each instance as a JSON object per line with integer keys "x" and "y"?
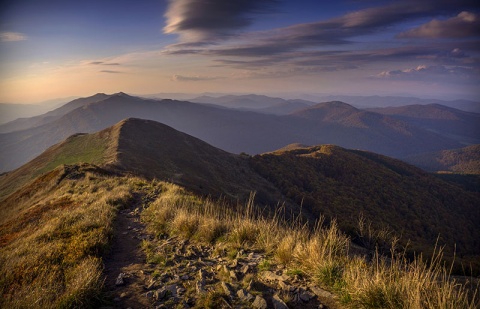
{"x": 321, "y": 254}
{"x": 50, "y": 258}
{"x": 50, "y": 254}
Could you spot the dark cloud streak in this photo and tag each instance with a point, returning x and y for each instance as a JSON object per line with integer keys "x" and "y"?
{"x": 210, "y": 20}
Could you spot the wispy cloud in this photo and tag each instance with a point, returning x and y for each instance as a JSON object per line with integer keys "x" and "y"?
{"x": 212, "y": 30}
{"x": 103, "y": 63}
{"x": 433, "y": 73}
{"x": 110, "y": 71}
{"x": 201, "y": 21}
{"x": 465, "y": 24}
{"x": 193, "y": 78}
{"x": 332, "y": 32}
{"x": 12, "y": 36}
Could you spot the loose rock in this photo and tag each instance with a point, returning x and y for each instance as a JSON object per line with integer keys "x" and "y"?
{"x": 244, "y": 295}
{"x": 259, "y": 303}
{"x": 278, "y": 303}
{"x": 120, "y": 280}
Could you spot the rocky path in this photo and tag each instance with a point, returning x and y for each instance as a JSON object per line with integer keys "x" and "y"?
{"x": 185, "y": 274}
{"x": 125, "y": 264}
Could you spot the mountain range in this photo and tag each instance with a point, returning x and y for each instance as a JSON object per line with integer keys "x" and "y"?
{"x": 323, "y": 180}
{"x": 232, "y": 130}
{"x": 463, "y": 161}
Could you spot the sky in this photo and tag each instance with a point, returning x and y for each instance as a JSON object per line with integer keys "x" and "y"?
{"x": 61, "y": 48}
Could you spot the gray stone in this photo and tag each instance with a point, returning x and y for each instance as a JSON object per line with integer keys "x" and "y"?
{"x": 245, "y": 269}
{"x": 244, "y": 295}
{"x": 306, "y": 296}
{"x": 286, "y": 287}
{"x": 278, "y": 303}
{"x": 321, "y": 292}
{"x": 227, "y": 288}
{"x": 259, "y": 303}
{"x": 160, "y": 294}
{"x": 119, "y": 280}
{"x": 271, "y": 276}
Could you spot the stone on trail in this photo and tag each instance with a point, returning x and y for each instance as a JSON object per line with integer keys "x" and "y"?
{"x": 278, "y": 303}
{"x": 119, "y": 281}
{"x": 259, "y": 303}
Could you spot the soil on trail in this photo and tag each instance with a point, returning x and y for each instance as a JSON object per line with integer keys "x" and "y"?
{"x": 126, "y": 257}
{"x": 196, "y": 274}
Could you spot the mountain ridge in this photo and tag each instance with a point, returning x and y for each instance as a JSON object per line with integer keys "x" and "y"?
{"x": 151, "y": 150}
{"x": 231, "y": 130}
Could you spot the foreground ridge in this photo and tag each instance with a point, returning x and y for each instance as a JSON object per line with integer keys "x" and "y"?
{"x": 193, "y": 251}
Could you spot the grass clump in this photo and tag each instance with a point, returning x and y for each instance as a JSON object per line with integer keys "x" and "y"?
{"x": 50, "y": 256}
{"x": 321, "y": 254}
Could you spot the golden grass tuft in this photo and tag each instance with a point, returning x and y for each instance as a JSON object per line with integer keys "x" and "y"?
{"x": 50, "y": 254}
{"x": 322, "y": 254}
{"x": 54, "y": 259}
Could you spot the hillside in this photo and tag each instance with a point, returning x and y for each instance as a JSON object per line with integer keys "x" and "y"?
{"x": 115, "y": 231}
{"x": 344, "y": 184}
{"x": 231, "y": 130}
{"x": 463, "y": 161}
{"x": 258, "y": 103}
{"x": 31, "y": 122}
{"x": 344, "y": 125}
{"x": 450, "y": 122}
{"x": 377, "y": 101}
{"x": 250, "y": 101}
{"x": 152, "y": 150}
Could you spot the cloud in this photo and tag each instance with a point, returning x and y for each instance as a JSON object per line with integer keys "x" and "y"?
{"x": 103, "y": 63}
{"x": 110, "y": 71}
{"x": 465, "y": 24}
{"x": 338, "y": 31}
{"x": 210, "y": 20}
{"x": 12, "y": 36}
{"x": 434, "y": 73}
{"x": 196, "y": 78}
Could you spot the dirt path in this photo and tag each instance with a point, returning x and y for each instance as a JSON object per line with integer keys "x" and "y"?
{"x": 126, "y": 257}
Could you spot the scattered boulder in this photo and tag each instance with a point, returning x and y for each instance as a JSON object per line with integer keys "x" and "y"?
{"x": 321, "y": 292}
{"x": 160, "y": 294}
{"x": 120, "y": 279}
{"x": 244, "y": 295}
{"x": 227, "y": 288}
{"x": 259, "y": 303}
{"x": 278, "y": 303}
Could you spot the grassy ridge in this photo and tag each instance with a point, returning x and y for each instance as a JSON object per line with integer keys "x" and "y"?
{"x": 343, "y": 184}
{"x": 321, "y": 254}
{"x": 50, "y": 254}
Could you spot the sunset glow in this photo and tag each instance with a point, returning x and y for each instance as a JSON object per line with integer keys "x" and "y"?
{"x": 52, "y": 49}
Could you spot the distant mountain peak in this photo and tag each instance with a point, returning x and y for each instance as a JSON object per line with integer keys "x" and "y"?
{"x": 121, "y": 94}
{"x": 334, "y": 104}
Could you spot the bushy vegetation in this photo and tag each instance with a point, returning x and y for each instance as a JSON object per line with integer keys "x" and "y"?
{"x": 322, "y": 254}
{"x": 51, "y": 248}
{"x": 341, "y": 184}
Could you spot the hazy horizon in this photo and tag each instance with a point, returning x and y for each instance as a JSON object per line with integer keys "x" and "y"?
{"x": 54, "y": 49}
